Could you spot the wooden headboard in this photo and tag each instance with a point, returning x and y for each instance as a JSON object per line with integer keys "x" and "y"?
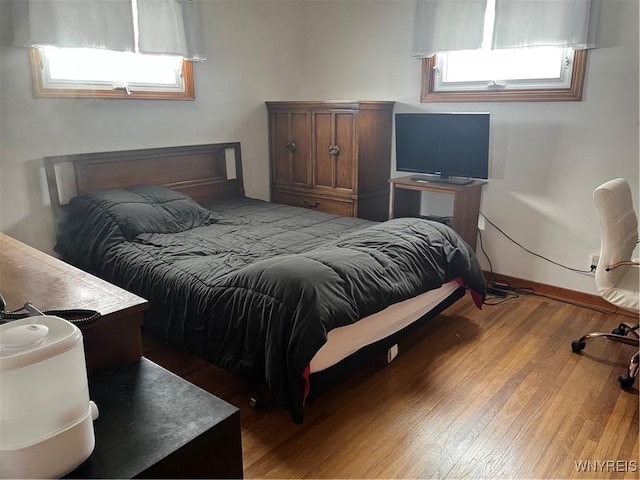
{"x": 201, "y": 171}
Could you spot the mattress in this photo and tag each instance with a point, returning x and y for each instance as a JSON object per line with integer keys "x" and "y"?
{"x": 344, "y": 341}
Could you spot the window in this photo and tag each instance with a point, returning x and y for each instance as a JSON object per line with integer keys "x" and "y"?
{"x": 97, "y": 73}
{"x": 504, "y": 75}
{"x": 534, "y": 73}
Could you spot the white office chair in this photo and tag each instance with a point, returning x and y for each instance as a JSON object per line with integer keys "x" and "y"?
{"x": 617, "y": 276}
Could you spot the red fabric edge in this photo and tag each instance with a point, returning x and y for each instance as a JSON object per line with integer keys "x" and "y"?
{"x": 307, "y": 386}
{"x": 477, "y": 297}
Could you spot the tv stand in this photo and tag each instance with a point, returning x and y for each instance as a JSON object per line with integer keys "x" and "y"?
{"x": 405, "y": 200}
{"x": 438, "y": 179}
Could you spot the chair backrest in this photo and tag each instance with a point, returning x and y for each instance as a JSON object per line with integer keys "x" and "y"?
{"x": 618, "y": 230}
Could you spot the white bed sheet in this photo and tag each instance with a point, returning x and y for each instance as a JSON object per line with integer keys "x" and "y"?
{"x": 343, "y": 341}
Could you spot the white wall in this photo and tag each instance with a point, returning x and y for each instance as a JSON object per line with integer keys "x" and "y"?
{"x": 546, "y": 158}
{"x": 252, "y": 57}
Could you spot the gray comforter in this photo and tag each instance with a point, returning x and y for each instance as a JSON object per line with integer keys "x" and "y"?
{"x": 254, "y": 287}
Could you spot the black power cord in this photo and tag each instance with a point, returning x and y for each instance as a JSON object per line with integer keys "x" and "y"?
{"x": 529, "y": 251}
{"x": 77, "y": 316}
{"x": 512, "y": 292}
{"x": 484, "y": 251}
{"x": 497, "y": 296}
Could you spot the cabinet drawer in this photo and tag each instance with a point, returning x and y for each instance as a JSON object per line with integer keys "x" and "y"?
{"x": 312, "y": 202}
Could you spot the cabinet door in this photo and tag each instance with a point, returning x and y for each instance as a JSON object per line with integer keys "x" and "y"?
{"x": 290, "y": 148}
{"x": 334, "y": 149}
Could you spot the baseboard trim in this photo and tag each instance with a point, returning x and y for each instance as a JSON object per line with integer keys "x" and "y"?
{"x": 579, "y": 298}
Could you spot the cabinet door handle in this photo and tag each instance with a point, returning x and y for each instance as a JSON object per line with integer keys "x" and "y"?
{"x": 311, "y": 205}
{"x": 334, "y": 150}
{"x": 291, "y": 147}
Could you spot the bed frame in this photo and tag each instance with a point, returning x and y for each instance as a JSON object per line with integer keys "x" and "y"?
{"x": 324, "y": 380}
{"x": 203, "y": 172}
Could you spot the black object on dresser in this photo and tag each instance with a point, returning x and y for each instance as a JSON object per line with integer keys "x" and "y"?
{"x": 154, "y": 424}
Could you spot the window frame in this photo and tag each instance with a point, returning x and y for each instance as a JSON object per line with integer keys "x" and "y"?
{"x": 42, "y": 91}
{"x": 571, "y": 93}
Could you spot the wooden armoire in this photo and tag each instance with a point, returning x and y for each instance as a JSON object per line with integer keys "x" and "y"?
{"x": 332, "y": 156}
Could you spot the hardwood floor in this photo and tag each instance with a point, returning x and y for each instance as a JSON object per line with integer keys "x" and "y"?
{"x": 491, "y": 393}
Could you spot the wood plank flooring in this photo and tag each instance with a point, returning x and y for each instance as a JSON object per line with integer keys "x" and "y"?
{"x": 491, "y": 393}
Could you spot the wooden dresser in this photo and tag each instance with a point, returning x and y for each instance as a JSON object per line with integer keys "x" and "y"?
{"x": 29, "y": 275}
{"x": 334, "y": 157}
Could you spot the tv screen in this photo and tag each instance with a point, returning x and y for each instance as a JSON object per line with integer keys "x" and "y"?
{"x": 454, "y": 146}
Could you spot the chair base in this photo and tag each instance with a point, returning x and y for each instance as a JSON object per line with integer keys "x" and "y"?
{"x": 619, "y": 335}
{"x": 627, "y": 380}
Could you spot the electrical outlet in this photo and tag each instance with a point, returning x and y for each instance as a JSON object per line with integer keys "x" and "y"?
{"x": 595, "y": 258}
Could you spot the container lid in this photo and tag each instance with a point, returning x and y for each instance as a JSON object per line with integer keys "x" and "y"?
{"x": 34, "y": 339}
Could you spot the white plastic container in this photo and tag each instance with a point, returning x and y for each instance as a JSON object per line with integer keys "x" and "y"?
{"x": 46, "y": 417}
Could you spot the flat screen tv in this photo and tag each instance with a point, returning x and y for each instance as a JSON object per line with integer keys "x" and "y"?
{"x": 448, "y": 147}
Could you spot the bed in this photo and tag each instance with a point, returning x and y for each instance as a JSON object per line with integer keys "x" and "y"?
{"x": 289, "y": 297}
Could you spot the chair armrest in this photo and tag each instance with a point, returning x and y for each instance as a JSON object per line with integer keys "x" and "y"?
{"x": 632, "y": 263}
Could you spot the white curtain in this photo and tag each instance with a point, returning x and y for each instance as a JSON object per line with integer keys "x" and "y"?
{"x": 104, "y": 24}
{"x": 446, "y": 25}
{"x": 557, "y": 23}
{"x": 171, "y": 27}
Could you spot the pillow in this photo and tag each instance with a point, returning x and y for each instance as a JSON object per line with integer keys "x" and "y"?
{"x": 96, "y": 222}
{"x": 147, "y": 209}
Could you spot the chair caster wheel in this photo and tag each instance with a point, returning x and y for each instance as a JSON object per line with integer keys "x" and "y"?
{"x": 622, "y": 329}
{"x": 626, "y": 381}
{"x": 256, "y": 401}
{"x": 577, "y": 346}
